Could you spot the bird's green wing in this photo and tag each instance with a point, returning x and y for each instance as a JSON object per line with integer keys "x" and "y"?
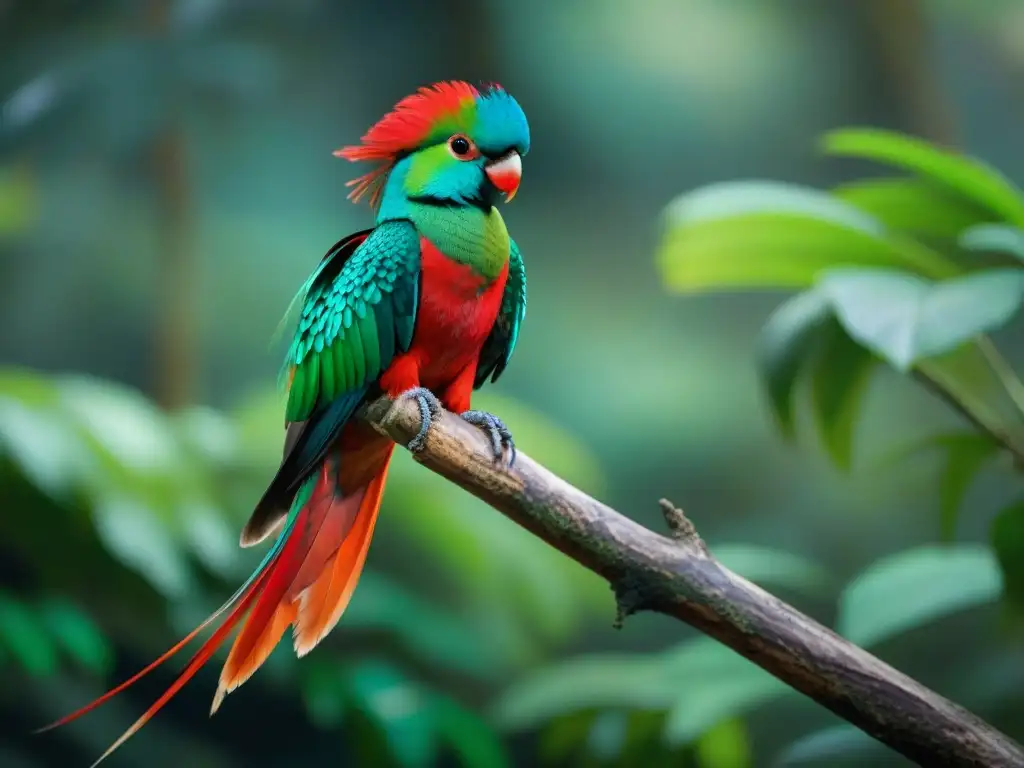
{"x": 501, "y": 342}
{"x": 355, "y": 316}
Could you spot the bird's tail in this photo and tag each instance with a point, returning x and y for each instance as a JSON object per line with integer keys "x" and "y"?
{"x": 306, "y": 579}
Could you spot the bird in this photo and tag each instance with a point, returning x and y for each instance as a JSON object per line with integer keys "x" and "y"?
{"x": 427, "y": 305}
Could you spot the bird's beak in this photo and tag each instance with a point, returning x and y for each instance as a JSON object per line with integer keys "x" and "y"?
{"x": 505, "y": 173}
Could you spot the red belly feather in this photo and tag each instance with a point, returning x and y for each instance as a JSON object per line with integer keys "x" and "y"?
{"x": 457, "y": 310}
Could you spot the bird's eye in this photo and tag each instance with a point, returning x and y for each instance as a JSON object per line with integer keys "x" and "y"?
{"x": 461, "y": 147}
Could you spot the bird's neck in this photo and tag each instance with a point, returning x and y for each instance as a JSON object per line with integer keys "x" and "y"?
{"x": 464, "y": 233}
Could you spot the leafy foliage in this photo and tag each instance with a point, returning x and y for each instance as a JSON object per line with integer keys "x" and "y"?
{"x": 913, "y": 587}
{"x": 888, "y": 270}
{"x": 163, "y": 495}
{"x": 36, "y": 636}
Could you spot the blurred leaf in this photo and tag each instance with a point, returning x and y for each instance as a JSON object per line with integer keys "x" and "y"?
{"x": 22, "y": 635}
{"x": 19, "y": 206}
{"x": 784, "y": 345}
{"x": 136, "y": 537}
{"x": 77, "y": 634}
{"x": 701, "y": 683}
{"x": 773, "y": 568}
{"x": 913, "y": 206}
{"x": 441, "y": 639}
{"x": 773, "y": 235}
{"x": 825, "y": 746}
{"x": 469, "y": 735}
{"x": 963, "y": 454}
{"x": 975, "y": 180}
{"x": 210, "y": 434}
{"x": 727, "y": 745}
{"x": 607, "y": 734}
{"x": 205, "y": 530}
{"x": 967, "y": 375}
{"x": 903, "y": 318}
{"x": 913, "y": 587}
{"x": 32, "y": 101}
{"x": 324, "y": 689}
{"x": 563, "y": 735}
{"x": 46, "y": 451}
{"x": 1007, "y": 535}
{"x": 840, "y": 377}
{"x": 125, "y": 424}
{"x": 995, "y": 237}
{"x": 714, "y": 684}
{"x": 399, "y": 709}
{"x": 584, "y": 682}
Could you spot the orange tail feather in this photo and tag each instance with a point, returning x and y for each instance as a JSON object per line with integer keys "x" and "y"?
{"x": 323, "y": 603}
{"x": 307, "y": 579}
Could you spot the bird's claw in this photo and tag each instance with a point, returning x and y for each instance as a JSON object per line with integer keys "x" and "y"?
{"x": 497, "y": 432}
{"x": 429, "y": 407}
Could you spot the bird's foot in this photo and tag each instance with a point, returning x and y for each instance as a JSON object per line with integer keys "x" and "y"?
{"x": 430, "y": 407}
{"x": 500, "y": 437}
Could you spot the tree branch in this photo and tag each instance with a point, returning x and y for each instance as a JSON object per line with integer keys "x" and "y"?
{"x": 679, "y": 577}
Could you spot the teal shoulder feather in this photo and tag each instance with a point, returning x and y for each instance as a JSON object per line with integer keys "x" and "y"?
{"x": 355, "y": 316}
{"x": 501, "y": 342}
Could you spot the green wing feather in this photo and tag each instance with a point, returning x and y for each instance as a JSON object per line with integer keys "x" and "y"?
{"x": 501, "y": 342}
{"x": 354, "y": 319}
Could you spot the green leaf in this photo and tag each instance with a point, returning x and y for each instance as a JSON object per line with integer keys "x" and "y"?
{"x": 714, "y": 684}
{"x": 967, "y": 176}
{"x": 440, "y": 639}
{"x": 701, "y": 683}
{"x": 33, "y": 434}
{"x": 399, "y": 708}
{"x": 967, "y": 376}
{"x": 324, "y": 689}
{"x": 136, "y": 537}
{"x": 840, "y": 375}
{"x": 607, "y": 734}
{"x": 904, "y": 318}
{"x": 999, "y": 238}
{"x": 19, "y": 203}
{"x": 773, "y": 568}
{"x": 22, "y": 635}
{"x": 963, "y": 455}
{"x": 584, "y": 682}
{"x": 471, "y": 737}
{"x": 772, "y": 235}
{"x": 77, "y": 634}
{"x": 824, "y": 747}
{"x": 1007, "y": 536}
{"x": 784, "y": 346}
{"x": 913, "y": 206}
{"x": 913, "y": 587}
{"x": 727, "y": 745}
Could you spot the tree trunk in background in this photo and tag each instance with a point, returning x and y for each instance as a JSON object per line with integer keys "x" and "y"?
{"x": 898, "y": 29}
{"x": 175, "y": 346}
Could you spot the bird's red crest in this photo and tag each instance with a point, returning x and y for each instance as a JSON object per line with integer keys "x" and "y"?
{"x": 403, "y": 129}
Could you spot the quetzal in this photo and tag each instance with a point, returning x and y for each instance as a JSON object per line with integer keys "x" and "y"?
{"x": 428, "y": 305}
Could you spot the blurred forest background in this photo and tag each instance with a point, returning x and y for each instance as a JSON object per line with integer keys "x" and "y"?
{"x": 166, "y": 184}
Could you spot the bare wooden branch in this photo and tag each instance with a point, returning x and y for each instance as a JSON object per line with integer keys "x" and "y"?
{"x": 677, "y": 576}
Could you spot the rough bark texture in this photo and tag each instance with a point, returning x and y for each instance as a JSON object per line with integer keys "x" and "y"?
{"x": 678, "y": 576}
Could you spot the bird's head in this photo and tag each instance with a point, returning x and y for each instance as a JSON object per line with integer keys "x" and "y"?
{"x": 453, "y": 143}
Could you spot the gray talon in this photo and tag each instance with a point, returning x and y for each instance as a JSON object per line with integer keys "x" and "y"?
{"x": 496, "y": 430}
{"x": 429, "y": 407}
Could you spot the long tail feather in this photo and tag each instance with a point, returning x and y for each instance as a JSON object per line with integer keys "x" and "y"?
{"x": 323, "y": 603}
{"x": 306, "y": 579}
{"x": 195, "y": 663}
{"x": 250, "y": 584}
